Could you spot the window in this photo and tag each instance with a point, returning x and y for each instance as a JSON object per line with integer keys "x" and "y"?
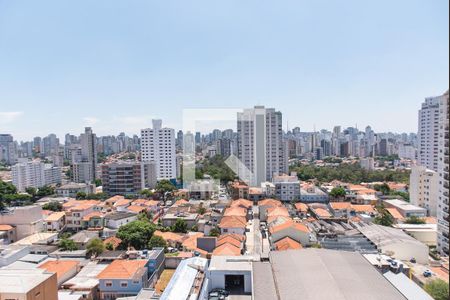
{"x": 108, "y": 284}
{"x": 124, "y": 284}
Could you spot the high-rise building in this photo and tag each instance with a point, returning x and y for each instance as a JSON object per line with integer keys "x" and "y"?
{"x": 158, "y": 145}
{"x": 260, "y": 143}
{"x": 50, "y": 145}
{"x": 84, "y": 171}
{"x": 429, "y": 132}
{"x": 423, "y": 189}
{"x": 8, "y": 152}
{"x": 34, "y": 174}
{"x": 127, "y": 178}
{"x": 179, "y": 141}
{"x": 443, "y": 163}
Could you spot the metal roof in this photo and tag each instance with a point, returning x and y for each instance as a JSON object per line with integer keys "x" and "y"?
{"x": 406, "y": 286}
{"x": 327, "y": 274}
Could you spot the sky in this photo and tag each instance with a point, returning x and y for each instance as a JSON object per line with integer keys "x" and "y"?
{"x": 115, "y": 65}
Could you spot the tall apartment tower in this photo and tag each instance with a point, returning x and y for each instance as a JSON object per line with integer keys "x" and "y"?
{"x": 34, "y": 174}
{"x": 443, "y": 163}
{"x": 85, "y": 170}
{"x": 8, "y": 151}
{"x": 429, "y": 132}
{"x": 158, "y": 145}
{"x": 423, "y": 189}
{"x": 260, "y": 143}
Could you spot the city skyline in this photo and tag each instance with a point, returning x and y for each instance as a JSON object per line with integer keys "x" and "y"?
{"x": 123, "y": 66}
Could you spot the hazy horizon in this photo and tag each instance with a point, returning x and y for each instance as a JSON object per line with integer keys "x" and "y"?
{"x": 115, "y": 65}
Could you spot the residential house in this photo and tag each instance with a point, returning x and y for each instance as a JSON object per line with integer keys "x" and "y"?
{"x": 86, "y": 282}
{"x": 82, "y": 238}
{"x": 302, "y": 209}
{"x": 239, "y": 190}
{"x": 233, "y": 224}
{"x": 264, "y": 205}
{"x": 123, "y": 278}
{"x": 8, "y": 234}
{"x": 56, "y": 221}
{"x": 94, "y": 221}
{"x": 26, "y": 220}
{"x": 340, "y": 209}
{"x": 296, "y": 231}
{"x": 115, "y": 220}
{"x": 287, "y": 244}
{"x": 64, "y": 269}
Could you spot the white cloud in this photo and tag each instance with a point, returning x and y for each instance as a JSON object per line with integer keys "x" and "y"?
{"x": 90, "y": 121}
{"x": 9, "y": 116}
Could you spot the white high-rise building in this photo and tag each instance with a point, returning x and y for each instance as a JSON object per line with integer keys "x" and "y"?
{"x": 443, "y": 163}
{"x": 34, "y": 174}
{"x": 158, "y": 145}
{"x": 423, "y": 189}
{"x": 429, "y": 132}
{"x": 260, "y": 143}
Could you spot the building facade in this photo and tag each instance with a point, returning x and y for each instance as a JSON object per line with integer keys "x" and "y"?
{"x": 158, "y": 145}
{"x": 261, "y": 147}
{"x": 443, "y": 163}
{"x": 423, "y": 189}
{"x": 34, "y": 174}
{"x": 428, "y": 133}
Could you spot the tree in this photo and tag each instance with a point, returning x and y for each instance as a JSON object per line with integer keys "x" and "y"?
{"x": 95, "y": 247}
{"x": 109, "y": 246}
{"x": 31, "y": 191}
{"x": 7, "y": 188}
{"x": 414, "y": 220}
{"x": 136, "y": 234}
{"x": 66, "y": 244}
{"x": 98, "y": 182}
{"x": 383, "y": 188}
{"x": 384, "y": 218}
{"x": 438, "y": 289}
{"x": 164, "y": 186}
{"x": 81, "y": 195}
{"x": 145, "y": 216}
{"x": 146, "y": 193}
{"x": 45, "y": 191}
{"x": 214, "y": 232}
{"x": 157, "y": 242}
{"x": 53, "y": 206}
{"x": 201, "y": 210}
{"x": 180, "y": 226}
{"x": 338, "y": 192}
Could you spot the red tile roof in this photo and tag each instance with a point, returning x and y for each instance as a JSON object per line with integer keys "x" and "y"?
{"x": 60, "y": 267}
{"x": 287, "y": 244}
{"x": 233, "y": 222}
{"x": 122, "y": 269}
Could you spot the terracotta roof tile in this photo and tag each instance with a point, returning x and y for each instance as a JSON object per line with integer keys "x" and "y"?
{"x": 270, "y": 202}
{"x": 340, "y": 205}
{"x": 302, "y": 207}
{"x": 235, "y": 211}
{"x": 122, "y": 269}
{"x": 233, "y": 222}
{"x": 395, "y": 213}
{"x": 5, "y": 227}
{"x": 287, "y": 244}
{"x": 227, "y": 249}
{"x": 60, "y": 267}
{"x": 56, "y": 216}
{"x": 242, "y": 203}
